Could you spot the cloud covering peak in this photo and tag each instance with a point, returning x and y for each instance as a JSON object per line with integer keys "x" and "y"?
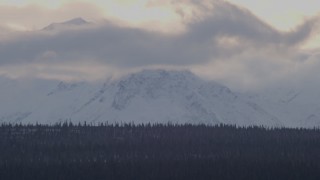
{"x": 223, "y": 42}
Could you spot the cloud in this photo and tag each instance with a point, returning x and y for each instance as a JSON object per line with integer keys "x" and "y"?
{"x": 223, "y": 42}
{"x": 33, "y": 16}
{"x": 230, "y": 20}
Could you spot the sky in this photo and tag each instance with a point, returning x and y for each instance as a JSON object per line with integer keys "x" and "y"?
{"x": 245, "y": 44}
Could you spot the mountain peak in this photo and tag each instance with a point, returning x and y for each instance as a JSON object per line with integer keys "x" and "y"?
{"x": 160, "y": 74}
{"x": 70, "y": 23}
{"x": 76, "y": 21}
{"x": 153, "y": 79}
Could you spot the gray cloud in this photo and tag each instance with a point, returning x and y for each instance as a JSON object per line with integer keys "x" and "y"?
{"x": 202, "y": 43}
{"x": 109, "y": 44}
{"x": 230, "y": 20}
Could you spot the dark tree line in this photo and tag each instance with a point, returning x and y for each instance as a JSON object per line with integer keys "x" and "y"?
{"x": 159, "y": 151}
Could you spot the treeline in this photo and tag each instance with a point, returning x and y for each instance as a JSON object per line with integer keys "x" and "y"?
{"x": 159, "y": 151}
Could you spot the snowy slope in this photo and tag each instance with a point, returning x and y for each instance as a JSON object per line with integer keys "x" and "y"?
{"x": 147, "y": 96}
{"x": 295, "y": 106}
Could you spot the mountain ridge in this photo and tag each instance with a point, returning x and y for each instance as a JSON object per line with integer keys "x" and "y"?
{"x": 156, "y": 96}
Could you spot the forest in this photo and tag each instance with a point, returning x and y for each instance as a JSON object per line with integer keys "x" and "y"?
{"x": 157, "y": 152}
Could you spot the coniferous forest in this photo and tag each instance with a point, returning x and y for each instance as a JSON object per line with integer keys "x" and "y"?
{"x": 159, "y": 151}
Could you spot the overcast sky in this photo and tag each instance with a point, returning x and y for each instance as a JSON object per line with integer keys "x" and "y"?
{"x": 242, "y": 43}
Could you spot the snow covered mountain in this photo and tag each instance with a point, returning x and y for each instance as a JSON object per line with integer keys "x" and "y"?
{"x": 148, "y": 96}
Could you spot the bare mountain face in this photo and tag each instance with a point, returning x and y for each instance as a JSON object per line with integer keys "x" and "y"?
{"x": 155, "y": 96}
